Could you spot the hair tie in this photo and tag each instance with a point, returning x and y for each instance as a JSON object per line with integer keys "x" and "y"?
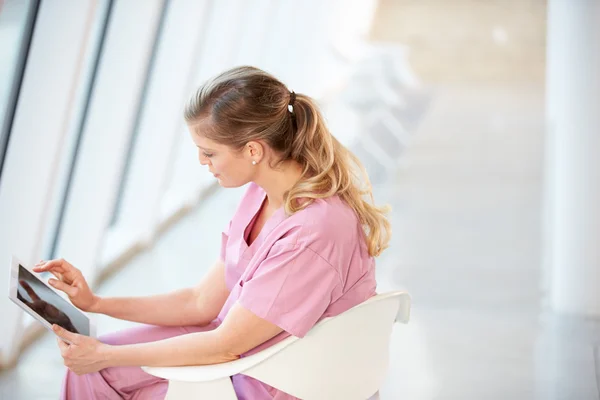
{"x": 292, "y": 100}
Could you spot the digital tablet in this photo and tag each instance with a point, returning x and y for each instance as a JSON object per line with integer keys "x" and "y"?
{"x": 43, "y": 303}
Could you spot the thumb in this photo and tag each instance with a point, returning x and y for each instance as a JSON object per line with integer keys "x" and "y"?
{"x": 71, "y": 291}
{"x": 65, "y": 334}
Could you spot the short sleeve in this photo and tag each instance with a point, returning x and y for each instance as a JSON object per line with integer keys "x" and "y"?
{"x": 224, "y": 240}
{"x": 291, "y": 288}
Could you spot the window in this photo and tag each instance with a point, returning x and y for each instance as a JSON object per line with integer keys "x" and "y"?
{"x": 16, "y": 26}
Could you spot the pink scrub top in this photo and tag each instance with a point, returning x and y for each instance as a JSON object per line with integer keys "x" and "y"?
{"x": 299, "y": 270}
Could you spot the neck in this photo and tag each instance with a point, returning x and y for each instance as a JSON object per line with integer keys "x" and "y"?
{"x": 275, "y": 182}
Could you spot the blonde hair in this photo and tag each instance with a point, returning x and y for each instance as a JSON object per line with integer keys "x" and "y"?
{"x": 245, "y": 104}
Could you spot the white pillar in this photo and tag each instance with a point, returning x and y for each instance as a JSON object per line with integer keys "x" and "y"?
{"x": 572, "y": 195}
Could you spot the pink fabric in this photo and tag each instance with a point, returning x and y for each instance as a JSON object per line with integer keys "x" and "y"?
{"x": 130, "y": 383}
{"x": 299, "y": 270}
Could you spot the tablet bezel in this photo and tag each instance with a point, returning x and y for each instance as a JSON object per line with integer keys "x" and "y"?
{"x": 12, "y": 294}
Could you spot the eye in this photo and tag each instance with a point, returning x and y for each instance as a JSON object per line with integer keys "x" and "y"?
{"x": 207, "y": 155}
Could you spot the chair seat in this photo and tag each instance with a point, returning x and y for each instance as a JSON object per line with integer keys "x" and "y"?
{"x": 343, "y": 357}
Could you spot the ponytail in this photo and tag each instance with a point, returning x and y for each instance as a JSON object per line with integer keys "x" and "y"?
{"x": 329, "y": 168}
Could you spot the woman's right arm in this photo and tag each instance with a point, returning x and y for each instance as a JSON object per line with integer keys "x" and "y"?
{"x": 192, "y": 306}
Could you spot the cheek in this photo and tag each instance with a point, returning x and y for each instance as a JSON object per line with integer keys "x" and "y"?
{"x": 232, "y": 169}
{"x": 217, "y": 164}
{"x": 223, "y": 164}
{"x": 234, "y": 173}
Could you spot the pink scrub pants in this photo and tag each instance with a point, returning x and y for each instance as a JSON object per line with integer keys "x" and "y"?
{"x": 124, "y": 382}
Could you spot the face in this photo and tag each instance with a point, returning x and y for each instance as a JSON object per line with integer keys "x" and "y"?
{"x": 231, "y": 168}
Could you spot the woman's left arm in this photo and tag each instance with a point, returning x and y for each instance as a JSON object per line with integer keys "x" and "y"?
{"x": 240, "y": 332}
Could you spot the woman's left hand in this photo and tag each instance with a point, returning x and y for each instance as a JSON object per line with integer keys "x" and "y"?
{"x": 84, "y": 355}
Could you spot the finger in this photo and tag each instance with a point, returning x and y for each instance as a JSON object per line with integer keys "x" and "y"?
{"x": 39, "y": 265}
{"x": 71, "y": 291}
{"x": 65, "y": 334}
{"x": 25, "y": 285}
{"x": 58, "y": 275}
{"x": 48, "y": 266}
{"x": 63, "y": 346}
{"x": 52, "y": 265}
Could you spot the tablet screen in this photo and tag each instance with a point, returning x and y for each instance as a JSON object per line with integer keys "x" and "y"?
{"x": 49, "y": 305}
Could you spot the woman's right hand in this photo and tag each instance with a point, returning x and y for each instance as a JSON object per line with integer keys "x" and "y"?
{"x": 71, "y": 281}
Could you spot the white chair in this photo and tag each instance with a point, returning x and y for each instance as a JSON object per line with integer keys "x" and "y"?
{"x": 342, "y": 357}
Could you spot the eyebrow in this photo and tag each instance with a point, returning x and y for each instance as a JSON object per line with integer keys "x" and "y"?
{"x": 204, "y": 148}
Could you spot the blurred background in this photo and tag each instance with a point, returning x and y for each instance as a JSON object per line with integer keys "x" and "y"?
{"x": 478, "y": 122}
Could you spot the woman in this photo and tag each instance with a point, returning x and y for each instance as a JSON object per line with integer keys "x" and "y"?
{"x": 299, "y": 248}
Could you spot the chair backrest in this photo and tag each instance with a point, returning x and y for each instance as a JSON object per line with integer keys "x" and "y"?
{"x": 343, "y": 357}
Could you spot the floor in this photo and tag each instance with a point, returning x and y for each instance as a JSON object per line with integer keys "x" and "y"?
{"x": 466, "y": 198}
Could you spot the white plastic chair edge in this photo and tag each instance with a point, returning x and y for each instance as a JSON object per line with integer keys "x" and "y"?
{"x": 403, "y": 315}
{"x": 207, "y": 373}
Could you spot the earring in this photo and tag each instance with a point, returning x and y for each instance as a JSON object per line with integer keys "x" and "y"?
{"x": 253, "y": 162}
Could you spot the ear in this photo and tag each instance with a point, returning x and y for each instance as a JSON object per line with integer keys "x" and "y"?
{"x": 255, "y": 150}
